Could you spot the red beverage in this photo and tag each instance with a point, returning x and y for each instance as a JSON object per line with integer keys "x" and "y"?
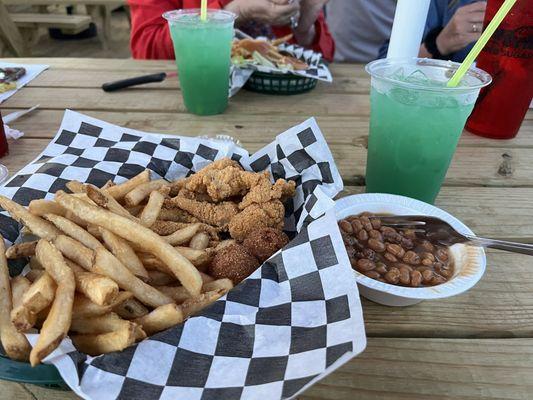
{"x": 3, "y": 141}
{"x": 508, "y": 58}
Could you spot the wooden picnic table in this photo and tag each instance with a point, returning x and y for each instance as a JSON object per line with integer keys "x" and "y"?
{"x": 472, "y": 346}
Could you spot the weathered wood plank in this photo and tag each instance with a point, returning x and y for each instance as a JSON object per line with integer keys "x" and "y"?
{"x": 420, "y": 369}
{"x": 55, "y": 78}
{"x": 98, "y": 63}
{"x": 414, "y": 369}
{"x": 168, "y": 100}
{"x": 337, "y": 129}
{"x": 492, "y": 212}
{"x": 470, "y": 167}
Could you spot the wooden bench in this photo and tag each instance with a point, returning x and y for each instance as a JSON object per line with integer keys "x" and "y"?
{"x": 73, "y": 23}
{"x": 96, "y": 8}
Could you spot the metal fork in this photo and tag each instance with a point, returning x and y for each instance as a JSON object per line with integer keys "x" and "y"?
{"x": 442, "y": 232}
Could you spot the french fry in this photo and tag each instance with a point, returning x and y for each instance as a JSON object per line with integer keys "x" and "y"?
{"x": 75, "y": 219}
{"x": 75, "y": 187}
{"x": 152, "y": 209}
{"x": 101, "y": 324}
{"x": 95, "y": 231}
{"x": 105, "y": 200}
{"x": 179, "y": 294}
{"x": 35, "y": 264}
{"x": 73, "y": 230}
{"x": 183, "y": 235}
{"x": 138, "y": 234}
{"x": 130, "y": 309}
{"x": 21, "y": 250}
{"x": 152, "y": 263}
{"x": 108, "y": 184}
{"x": 34, "y": 274}
{"x": 98, "y": 288}
{"x": 41, "y": 207}
{"x": 159, "y": 278}
{"x": 83, "y": 307}
{"x": 176, "y": 215}
{"x": 160, "y": 319}
{"x": 200, "y": 241}
{"x": 37, "y": 225}
{"x": 75, "y": 251}
{"x": 107, "y": 264}
{"x": 119, "y": 191}
{"x": 57, "y": 324}
{"x": 206, "y": 278}
{"x": 15, "y": 343}
{"x": 39, "y": 296}
{"x": 195, "y": 304}
{"x": 105, "y": 342}
{"x": 122, "y": 250}
{"x": 196, "y": 257}
{"x": 135, "y": 210}
{"x": 137, "y": 195}
{"x": 19, "y": 285}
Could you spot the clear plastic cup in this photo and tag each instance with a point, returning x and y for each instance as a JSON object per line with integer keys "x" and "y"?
{"x": 415, "y": 124}
{"x": 203, "y": 56}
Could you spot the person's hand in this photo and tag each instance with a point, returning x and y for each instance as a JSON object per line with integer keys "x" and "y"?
{"x": 271, "y": 12}
{"x": 309, "y": 11}
{"x": 464, "y": 28}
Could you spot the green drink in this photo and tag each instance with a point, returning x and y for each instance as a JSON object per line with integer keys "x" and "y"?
{"x": 415, "y": 124}
{"x": 203, "y": 52}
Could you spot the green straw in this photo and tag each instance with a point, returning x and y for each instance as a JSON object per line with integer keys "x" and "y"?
{"x": 485, "y": 37}
{"x": 203, "y": 11}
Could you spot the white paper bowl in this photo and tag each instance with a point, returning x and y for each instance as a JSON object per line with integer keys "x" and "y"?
{"x": 470, "y": 262}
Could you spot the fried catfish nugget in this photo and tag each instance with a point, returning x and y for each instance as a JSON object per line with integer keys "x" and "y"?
{"x": 196, "y": 183}
{"x": 262, "y": 243}
{"x": 218, "y": 215}
{"x": 270, "y": 214}
{"x": 233, "y": 262}
{"x": 265, "y": 192}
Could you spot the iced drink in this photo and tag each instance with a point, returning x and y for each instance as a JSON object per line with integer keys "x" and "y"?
{"x": 415, "y": 124}
{"x": 203, "y": 52}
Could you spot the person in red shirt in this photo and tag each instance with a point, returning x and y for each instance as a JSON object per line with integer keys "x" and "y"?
{"x": 150, "y": 37}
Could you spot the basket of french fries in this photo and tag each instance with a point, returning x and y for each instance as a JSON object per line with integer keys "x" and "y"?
{"x": 276, "y": 67}
{"x": 179, "y": 271}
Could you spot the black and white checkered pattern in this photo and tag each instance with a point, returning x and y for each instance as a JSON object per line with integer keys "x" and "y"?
{"x": 293, "y": 321}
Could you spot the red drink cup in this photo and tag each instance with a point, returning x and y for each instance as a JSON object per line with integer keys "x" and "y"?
{"x": 508, "y": 58}
{"x": 3, "y": 141}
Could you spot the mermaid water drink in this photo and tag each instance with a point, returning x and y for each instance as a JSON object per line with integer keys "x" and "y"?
{"x": 415, "y": 124}
{"x": 203, "y": 52}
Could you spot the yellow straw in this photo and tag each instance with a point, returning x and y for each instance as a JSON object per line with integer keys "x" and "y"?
{"x": 203, "y": 10}
{"x": 487, "y": 33}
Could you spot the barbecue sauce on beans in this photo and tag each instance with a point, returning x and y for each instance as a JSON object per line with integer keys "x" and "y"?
{"x": 398, "y": 257}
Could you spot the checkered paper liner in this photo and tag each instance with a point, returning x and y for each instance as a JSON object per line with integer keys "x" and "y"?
{"x": 317, "y": 68}
{"x": 293, "y": 321}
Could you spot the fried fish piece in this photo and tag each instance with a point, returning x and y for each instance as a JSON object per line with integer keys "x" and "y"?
{"x": 263, "y": 193}
{"x": 218, "y": 215}
{"x": 256, "y": 216}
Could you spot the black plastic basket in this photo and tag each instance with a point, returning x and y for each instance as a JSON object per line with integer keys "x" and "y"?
{"x": 284, "y": 84}
{"x": 42, "y": 375}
